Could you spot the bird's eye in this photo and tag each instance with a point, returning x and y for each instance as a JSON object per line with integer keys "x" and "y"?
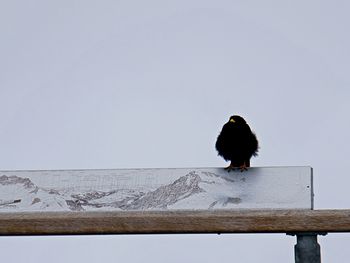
{"x": 232, "y": 120}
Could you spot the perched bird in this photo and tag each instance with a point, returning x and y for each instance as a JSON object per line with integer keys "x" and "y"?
{"x": 237, "y": 143}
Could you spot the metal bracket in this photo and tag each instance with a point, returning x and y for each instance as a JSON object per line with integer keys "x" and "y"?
{"x": 307, "y": 250}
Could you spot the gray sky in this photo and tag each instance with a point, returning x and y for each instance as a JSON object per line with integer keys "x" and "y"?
{"x": 127, "y": 84}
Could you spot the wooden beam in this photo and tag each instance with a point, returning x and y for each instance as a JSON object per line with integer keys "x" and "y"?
{"x": 162, "y": 222}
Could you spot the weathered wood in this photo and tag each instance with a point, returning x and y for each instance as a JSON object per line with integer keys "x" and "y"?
{"x": 156, "y": 189}
{"x": 137, "y": 222}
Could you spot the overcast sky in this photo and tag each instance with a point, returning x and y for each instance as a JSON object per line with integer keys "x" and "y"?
{"x": 129, "y": 84}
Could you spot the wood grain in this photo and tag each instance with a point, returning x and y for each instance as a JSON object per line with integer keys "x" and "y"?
{"x": 151, "y": 222}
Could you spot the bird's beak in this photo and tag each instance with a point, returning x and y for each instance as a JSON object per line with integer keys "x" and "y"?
{"x": 232, "y": 120}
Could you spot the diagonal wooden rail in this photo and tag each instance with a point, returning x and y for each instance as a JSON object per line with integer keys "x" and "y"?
{"x": 162, "y": 222}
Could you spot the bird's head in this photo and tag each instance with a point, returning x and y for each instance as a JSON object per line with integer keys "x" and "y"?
{"x": 236, "y": 120}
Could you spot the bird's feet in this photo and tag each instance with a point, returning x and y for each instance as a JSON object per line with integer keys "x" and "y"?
{"x": 243, "y": 167}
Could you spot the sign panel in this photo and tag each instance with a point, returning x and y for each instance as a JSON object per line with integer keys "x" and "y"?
{"x": 156, "y": 189}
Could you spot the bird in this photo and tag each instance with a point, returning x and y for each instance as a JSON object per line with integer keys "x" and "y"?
{"x": 237, "y": 143}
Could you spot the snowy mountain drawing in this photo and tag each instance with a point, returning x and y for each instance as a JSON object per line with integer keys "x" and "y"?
{"x": 137, "y": 189}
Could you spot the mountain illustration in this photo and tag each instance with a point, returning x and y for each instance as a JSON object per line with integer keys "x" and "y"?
{"x": 192, "y": 189}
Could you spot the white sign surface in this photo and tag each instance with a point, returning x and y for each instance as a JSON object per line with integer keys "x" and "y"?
{"x": 156, "y": 189}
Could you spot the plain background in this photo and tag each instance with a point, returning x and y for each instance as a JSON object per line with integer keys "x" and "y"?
{"x": 127, "y": 84}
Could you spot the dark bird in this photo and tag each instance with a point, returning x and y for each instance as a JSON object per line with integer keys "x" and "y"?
{"x": 237, "y": 143}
